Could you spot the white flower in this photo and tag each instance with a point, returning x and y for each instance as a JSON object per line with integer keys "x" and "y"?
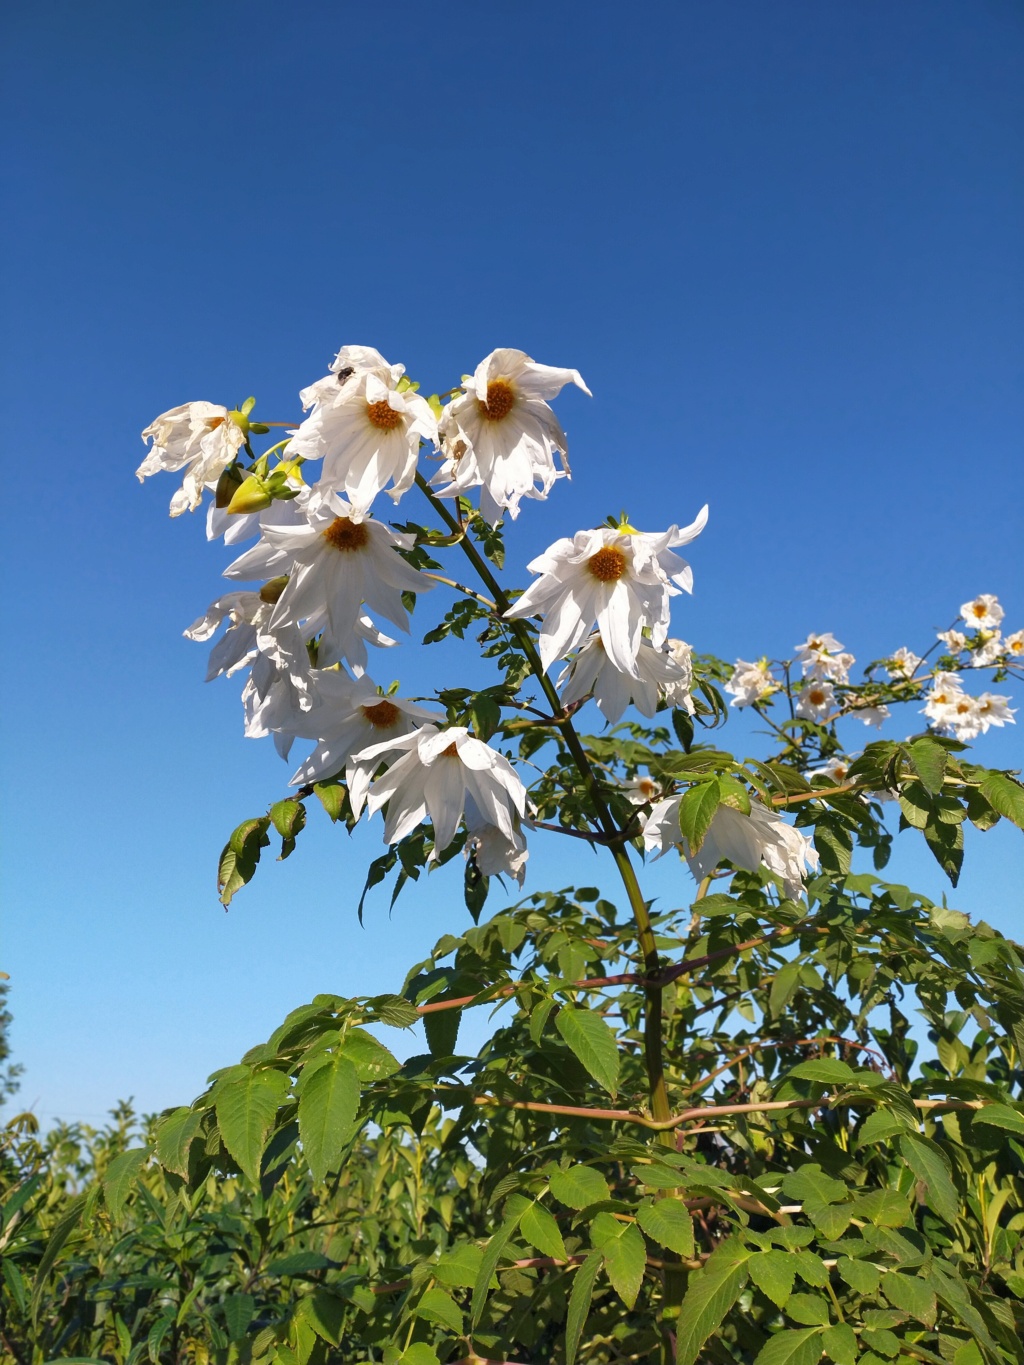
{"x": 835, "y": 769}
{"x": 641, "y": 790}
{"x": 237, "y": 527}
{"x": 946, "y": 691}
{"x": 620, "y": 579}
{"x": 337, "y": 562}
{"x": 868, "y": 714}
{"x": 988, "y": 649}
{"x": 200, "y": 438}
{"x": 677, "y": 693}
{"x": 1013, "y": 645}
{"x": 746, "y": 841}
{"x": 280, "y": 688}
{"x": 750, "y": 683}
{"x": 815, "y": 701}
{"x": 494, "y": 852}
{"x": 501, "y": 436}
{"x": 593, "y": 671}
{"x": 964, "y": 719}
{"x": 954, "y": 640}
{"x": 993, "y": 710}
{"x": 245, "y": 611}
{"x": 351, "y": 716}
{"x": 822, "y": 657}
{"x": 983, "y": 613}
{"x": 366, "y": 430}
{"x": 904, "y": 663}
{"x": 432, "y": 773}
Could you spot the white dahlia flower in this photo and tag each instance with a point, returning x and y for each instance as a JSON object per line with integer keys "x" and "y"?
{"x": 983, "y": 613}
{"x": 200, "y": 438}
{"x": 593, "y": 671}
{"x": 750, "y": 683}
{"x": 501, "y": 436}
{"x": 815, "y": 701}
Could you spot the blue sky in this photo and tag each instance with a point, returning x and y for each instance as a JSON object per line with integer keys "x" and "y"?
{"x": 782, "y": 244}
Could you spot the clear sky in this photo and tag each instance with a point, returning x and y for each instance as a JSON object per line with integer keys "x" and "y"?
{"x": 782, "y": 243}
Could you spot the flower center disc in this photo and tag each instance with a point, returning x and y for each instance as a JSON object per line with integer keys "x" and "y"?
{"x": 451, "y": 752}
{"x": 344, "y": 534}
{"x": 383, "y": 416}
{"x": 607, "y": 565}
{"x": 501, "y": 399}
{"x": 816, "y": 698}
{"x": 383, "y": 715}
{"x": 214, "y": 422}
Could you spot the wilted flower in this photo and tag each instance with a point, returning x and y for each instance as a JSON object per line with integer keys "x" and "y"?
{"x": 983, "y": 613}
{"x": 365, "y": 426}
{"x": 746, "y": 841}
{"x": 677, "y": 692}
{"x": 236, "y": 648}
{"x": 815, "y": 701}
{"x": 613, "y": 690}
{"x": 200, "y": 438}
{"x": 618, "y": 578}
{"x": 494, "y": 852}
{"x": 432, "y": 773}
{"x": 750, "y": 683}
{"x": 954, "y": 640}
{"x": 501, "y": 436}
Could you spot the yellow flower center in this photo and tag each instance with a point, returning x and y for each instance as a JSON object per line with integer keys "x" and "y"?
{"x": 646, "y": 787}
{"x": 816, "y": 697}
{"x": 214, "y": 422}
{"x": 1016, "y": 647}
{"x": 608, "y": 565}
{"x": 383, "y": 416}
{"x": 980, "y": 610}
{"x": 382, "y": 715}
{"x": 451, "y": 752}
{"x": 501, "y": 399}
{"x": 346, "y": 535}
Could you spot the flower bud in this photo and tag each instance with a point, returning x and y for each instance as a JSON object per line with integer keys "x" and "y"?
{"x": 227, "y": 484}
{"x": 273, "y": 588}
{"x": 251, "y": 496}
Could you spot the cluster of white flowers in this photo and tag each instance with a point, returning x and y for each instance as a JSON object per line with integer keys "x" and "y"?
{"x": 983, "y": 642}
{"x": 824, "y": 665}
{"x": 951, "y": 711}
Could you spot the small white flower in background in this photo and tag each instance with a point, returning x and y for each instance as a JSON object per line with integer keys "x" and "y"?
{"x": 431, "y": 774}
{"x": 868, "y": 714}
{"x": 200, "y": 438}
{"x": 365, "y": 428}
{"x": 993, "y": 710}
{"x": 815, "y": 701}
{"x": 677, "y": 692}
{"x": 990, "y": 647}
{"x": 337, "y": 561}
{"x": 501, "y": 436}
{"x": 750, "y": 683}
{"x": 353, "y": 717}
{"x": 746, "y": 841}
{"x": 494, "y": 852}
{"x": 954, "y": 640}
{"x": 619, "y": 579}
{"x": 983, "y": 612}
{"x": 1013, "y": 645}
{"x": 835, "y": 769}
{"x": 642, "y": 790}
{"x": 592, "y": 670}
{"x": 904, "y": 663}
{"x": 822, "y": 656}
{"x": 945, "y": 692}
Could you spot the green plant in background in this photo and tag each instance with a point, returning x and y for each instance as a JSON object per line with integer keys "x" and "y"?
{"x": 707, "y": 1131}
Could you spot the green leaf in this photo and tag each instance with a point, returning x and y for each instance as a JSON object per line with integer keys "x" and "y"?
{"x": 810, "y": 1309}
{"x": 326, "y": 1314}
{"x": 1000, "y": 1116}
{"x": 442, "y": 1031}
{"x": 156, "y": 1336}
{"x": 15, "y": 1282}
{"x": 593, "y": 1042}
{"x": 774, "y": 1272}
{"x": 289, "y": 819}
{"x": 1005, "y": 795}
{"x": 371, "y": 1059}
{"x": 928, "y": 759}
{"x": 834, "y": 846}
{"x": 840, "y": 1344}
{"x": 438, "y": 1306}
{"x": 578, "y": 1186}
{"x": 668, "y": 1222}
{"x": 328, "y": 1106}
{"x": 419, "y": 1353}
{"x": 239, "y": 1311}
{"x": 880, "y": 1339}
{"x": 331, "y": 796}
{"x": 394, "y": 1010}
{"x": 59, "y": 1234}
{"x": 911, "y": 1294}
{"x": 240, "y": 856}
{"x": 826, "y": 1070}
{"x": 946, "y": 842}
{"x": 791, "y": 1348}
{"x": 579, "y": 1304}
{"x": 658, "y": 1177}
{"x": 174, "y": 1136}
{"x": 488, "y": 1262}
{"x": 459, "y": 1265}
{"x": 696, "y": 812}
{"x": 879, "y": 1126}
{"x": 864, "y": 1276}
{"x": 121, "y": 1175}
{"x": 539, "y": 1228}
{"x": 246, "y": 1110}
{"x": 710, "y": 1295}
{"x": 625, "y": 1257}
{"x": 931, "y": 1169}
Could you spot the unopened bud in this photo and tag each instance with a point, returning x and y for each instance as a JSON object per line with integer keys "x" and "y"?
{"x": 251, "y": 496}
{"x": 227, "y": 485}
{"x": 273, "y": 588}
{"x": 240, "y": 420}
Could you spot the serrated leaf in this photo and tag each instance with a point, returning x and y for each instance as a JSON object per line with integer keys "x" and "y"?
{"x": 459, "y": 1265}
{"x": 930, "y": 1168}
{"x": 668, "y": 1222}
{"x": 438, "y": 1306}
{"x": 418, "y": 1353}
{"x": 840, "y": 1344}
{"x": 174, "y": 1136}
{"x": 239, "y": 1311}
{"x": 578, "y": 1186}
{"x": 331, "y": 796}
{"x": 1004, "y": 795}
{"x": 394, "y": 1010}
{"x": 441, "y": 1028}
{"x": 658, "y": 1177}
{"x": 710, "y": 1295}
{"x": 1000, "y": 1116}
{"x": 825, "y": 1069}
{"x": 810, "y": 1309}
{"x": 121, "y": 1175}
{"x": 911, "y": 1294}
{"x": 928, "y": 759}
{"x": 696, "y": 812}
{"x": 791, "y": 1347}
{"x": 488, "y": 1262}
{"x": 59, "y": 1234}
{"x": 625, "y": 1257}
{"x": 328, "y": 1106}
{"x": 879, "y": 1126}
{"x": 593, "y": 1043}
{"x": 539, "y": 1228}
{"x": 579, "y": 1304}
{"x": 246, "y": 1110}
{"x": 371, "y": 1059}
{"x": 774, "y": 1273}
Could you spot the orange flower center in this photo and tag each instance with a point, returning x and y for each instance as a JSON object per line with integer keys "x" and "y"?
{"x": 345, "y": 535}
{"x": 214, "y": 422}
{"x": 382, "y": 715}
{"x": 383, "y": 416}
{"x": 451, "y": 752}
{"x": 608, "y": 565}
{"x": 816, "y": 697}
{"x": 980, "y": 610}
{"x": 501, "y": 399}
